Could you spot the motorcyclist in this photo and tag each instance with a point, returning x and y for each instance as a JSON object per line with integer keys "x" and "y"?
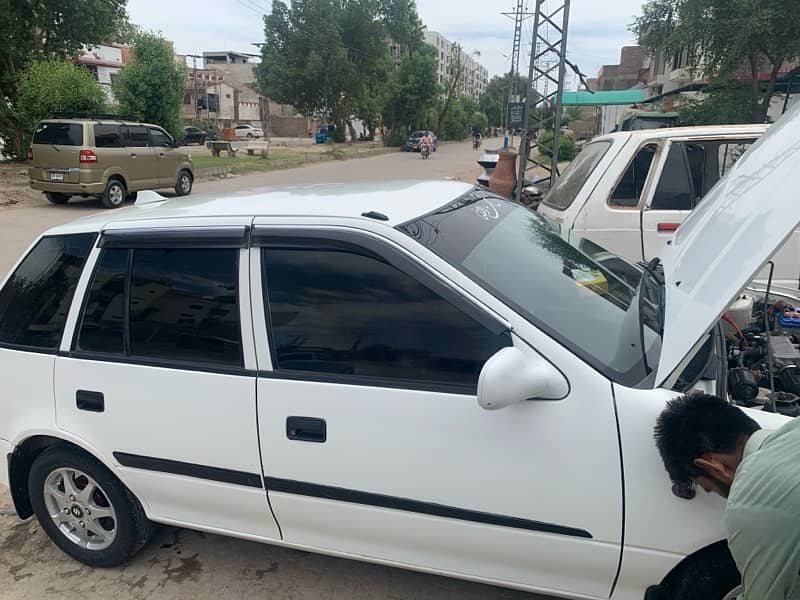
{"x": 426, "y": 141}
{"x": 476, "y": 138}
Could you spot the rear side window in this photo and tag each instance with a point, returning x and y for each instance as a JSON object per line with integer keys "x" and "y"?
{"x": 181, "y": 306}
{"x": 60, "y": 134}
{"x": 137, "y": 136}
{"x": 107, "y": 136}
{"x": 675, "y": 189}
{"x": 569, "y": 185}
{"x": 349, "y": 314}
{"x": 35, "y": 300}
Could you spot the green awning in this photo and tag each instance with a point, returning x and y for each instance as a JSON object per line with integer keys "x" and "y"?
{"x": 615, "y": 97}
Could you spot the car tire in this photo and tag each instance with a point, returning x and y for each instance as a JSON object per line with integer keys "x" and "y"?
{"x": 114, "y": 194}
{"x": 711, "y": 574}
{"x": 183, "y": 185}
{"x": 131, "y": 197}
{"x": 68, "y": 490}
{"x": 56, "y": 198}
{"x": 249, "y": 136}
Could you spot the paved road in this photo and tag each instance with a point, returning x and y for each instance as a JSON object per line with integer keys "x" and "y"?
{"x": 182, "y": 564}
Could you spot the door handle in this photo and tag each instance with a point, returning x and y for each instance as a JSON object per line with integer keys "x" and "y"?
{"x": 90, "y": 401}
{"x": 133, "y": 155}
{"x": 306, "y": 429}
{"x": 162, "y": 154}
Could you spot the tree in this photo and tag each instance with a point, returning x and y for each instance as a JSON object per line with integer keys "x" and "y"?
{"x": 494, "y": 99}
{"x": 729, "y": 38}
{"x": 413, "y": 90}
{"x": 724, "y": 102}
{"x": 571, "y": 113}
{"x": 326, "y": 57}
{"x": 46, "y": 29}
{"x": 456, "y": 70}
{"x": 458, "y": 120}
{"x": 50, "y": 85}
{"x": 152, "y": 86}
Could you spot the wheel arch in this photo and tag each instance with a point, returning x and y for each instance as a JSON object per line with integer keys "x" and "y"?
{"x": 719, "y": 548}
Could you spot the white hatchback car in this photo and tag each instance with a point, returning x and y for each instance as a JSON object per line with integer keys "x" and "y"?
{"x": 423, "y": 375}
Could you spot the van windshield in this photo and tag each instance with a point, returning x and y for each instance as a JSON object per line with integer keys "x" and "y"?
{"x": 563, "y": 193}
{"x": 60, "y": 134}
{"x": 587, "y": 305}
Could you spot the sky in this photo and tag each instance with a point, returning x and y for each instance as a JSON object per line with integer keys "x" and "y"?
{"x": 598, "y": 30}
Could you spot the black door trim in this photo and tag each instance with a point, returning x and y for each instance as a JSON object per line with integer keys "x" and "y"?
{"x": 314, "y": 490}
{"x": 175, "y": 467}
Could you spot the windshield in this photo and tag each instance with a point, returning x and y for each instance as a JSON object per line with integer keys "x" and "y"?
{"x": 566, "y": 189}
{"x": 515, "y": 254}
{"x": 418, "y": 134}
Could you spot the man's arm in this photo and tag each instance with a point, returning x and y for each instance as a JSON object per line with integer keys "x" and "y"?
{"x": 765, "y": 544}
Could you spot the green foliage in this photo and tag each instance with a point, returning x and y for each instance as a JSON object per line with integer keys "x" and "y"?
{"x": 567, "y": 150}
{"x": 395, "y": 139}
{"x": 151, "y": 87}
{"x": 52, "y": 85}
{"x": 571, "y": 113}
{"x": 32, "y": 31}
{"x": 412, "y": 90}
{"x": 734, "y": 37}
{"x": 479, "y": 122}
{"x": 494, "y": 99}
{"x": 458, "y": 121}
{"x": 725, "y": 102}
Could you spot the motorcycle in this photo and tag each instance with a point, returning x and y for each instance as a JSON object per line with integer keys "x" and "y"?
{"x": 476, "y": 143}
{"x": 425, "y": 151}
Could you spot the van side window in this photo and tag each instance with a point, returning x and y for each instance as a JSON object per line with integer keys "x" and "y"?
{"x": 675, "y": 190}
{"x": 107, "y": 136}
{"x": 35, "y": 300}
{"x": 629, "y": 189}
{"x": 182, "y": 306}
{"x": 137, "y": 136}
{"x": 349, "y": 314}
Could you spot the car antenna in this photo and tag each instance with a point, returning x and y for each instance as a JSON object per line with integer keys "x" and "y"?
{"x": 770, "y": 406}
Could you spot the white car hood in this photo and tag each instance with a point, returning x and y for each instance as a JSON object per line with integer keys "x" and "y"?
{"x": 729, "y": 238}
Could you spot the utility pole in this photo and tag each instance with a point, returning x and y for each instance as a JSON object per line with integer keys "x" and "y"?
{"x": 548, "y": 64}
{"x": 519, "y": 16}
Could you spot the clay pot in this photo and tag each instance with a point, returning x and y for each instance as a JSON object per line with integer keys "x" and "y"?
{"x": 504, "y": 177}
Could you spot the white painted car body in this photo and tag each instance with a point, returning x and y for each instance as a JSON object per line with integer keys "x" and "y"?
{"x": 638, "y": 228}
{"x": 565, "y": 497}
{"x": 244, "y": 132}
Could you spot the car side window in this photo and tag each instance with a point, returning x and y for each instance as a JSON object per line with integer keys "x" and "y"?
{"x": 351, "y": 314}
{"x": 35, "y": 300}
{"x": 137, "y": 136}
{"x": 675, "y": 190}
{"x": 182, "y": 306}
{"x": 629, "y": 189}
{"x": 160, "y": 138}
{"x": 107, "y": 136}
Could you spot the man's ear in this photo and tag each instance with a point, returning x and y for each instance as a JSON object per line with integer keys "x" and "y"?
{"x": 714, "y": 467}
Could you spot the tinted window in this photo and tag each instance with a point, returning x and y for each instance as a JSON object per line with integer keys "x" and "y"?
{"x": 137, "y": 137}
{"x": 674, "y": 191}
{"x": 183, "y": 305}
{"x": 160, "y": 139}
{"x": 629, "y": 189}
{"x": 730, "y": 153}
{"x": 35, "y": 301}
{"x": 102, "y": 323}
{"x": 350, "y": 314}
{"x": 567, "y": 187}
{"x": 60, "y": 134}
{"x": 107, "y": 136}
{"x": 512, "y": 252}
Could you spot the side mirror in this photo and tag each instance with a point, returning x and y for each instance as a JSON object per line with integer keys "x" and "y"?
{"x": 511, "y": 377}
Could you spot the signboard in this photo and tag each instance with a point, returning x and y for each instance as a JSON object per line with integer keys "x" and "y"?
{"x": 516, "y": 112}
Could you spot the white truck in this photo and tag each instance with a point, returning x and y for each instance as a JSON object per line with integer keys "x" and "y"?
{"x": 629, "y": 191}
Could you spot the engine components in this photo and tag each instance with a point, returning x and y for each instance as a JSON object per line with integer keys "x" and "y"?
{"x": 742, "y": 384}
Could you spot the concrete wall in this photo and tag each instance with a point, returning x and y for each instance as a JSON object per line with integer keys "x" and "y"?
{"x": 283, "y": 126}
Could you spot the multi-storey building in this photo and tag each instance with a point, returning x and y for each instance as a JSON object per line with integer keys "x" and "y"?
{"x": 475, "y": 77}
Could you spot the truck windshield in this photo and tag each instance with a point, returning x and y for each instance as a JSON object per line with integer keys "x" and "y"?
{"x": 566, "y": 189}
{"x": 579, "y": 301}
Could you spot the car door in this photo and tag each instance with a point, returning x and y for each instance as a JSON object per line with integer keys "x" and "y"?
{"x": 169, "y": 157}
{"x": 373, "y": 443}
{"x": 142, "y": 161}
{"x": 614, "y": 222}
{"x": 690, "y": 168}
{"x": 159, "y": 377}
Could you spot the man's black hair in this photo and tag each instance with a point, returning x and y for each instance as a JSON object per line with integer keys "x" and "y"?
{"x": 695, "y": 424}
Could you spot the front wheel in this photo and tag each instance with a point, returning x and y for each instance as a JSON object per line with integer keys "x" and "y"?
{"x": 84, "y": 509}
{"x": 183, "y": 187}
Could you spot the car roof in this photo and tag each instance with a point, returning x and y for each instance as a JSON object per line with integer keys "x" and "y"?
{"x": 399, "y": 201}
{"x": 681, "y": 132}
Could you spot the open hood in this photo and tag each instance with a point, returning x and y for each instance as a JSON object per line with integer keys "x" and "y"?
{"x": 728, "y": 239}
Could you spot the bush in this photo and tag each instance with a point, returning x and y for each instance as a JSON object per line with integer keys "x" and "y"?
{"x": 567, "y": 150}
{"x": 395, "y": 139}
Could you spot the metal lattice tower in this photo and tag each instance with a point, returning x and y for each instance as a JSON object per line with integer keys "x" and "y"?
{"x": 519, "y": 17}
{"x": 546, "y": 76}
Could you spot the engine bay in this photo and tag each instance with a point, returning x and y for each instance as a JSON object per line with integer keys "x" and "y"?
{"x": 762, "y": 344}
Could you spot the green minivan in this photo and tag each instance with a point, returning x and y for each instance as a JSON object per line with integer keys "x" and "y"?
{"x": 107, "y": 158}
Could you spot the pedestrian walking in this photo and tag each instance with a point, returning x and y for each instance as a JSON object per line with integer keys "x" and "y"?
{"x": 705, "y": 441}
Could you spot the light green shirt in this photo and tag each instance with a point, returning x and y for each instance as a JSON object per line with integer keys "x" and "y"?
{"x": 762, "y": 517}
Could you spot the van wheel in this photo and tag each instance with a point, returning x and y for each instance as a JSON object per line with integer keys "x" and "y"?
{"x": 183, "y": 187}
{"x": 114, "y": 195}
{"x": 131, "y": 196}
{"x": 84, "y": 509}
{"x": 56, "y": 198}
{"x": 711, "y": 574}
